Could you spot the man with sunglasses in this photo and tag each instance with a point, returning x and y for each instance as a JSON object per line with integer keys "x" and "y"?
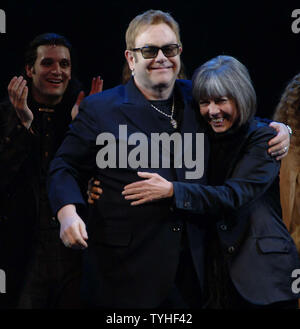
{"x": 137, "y": 257}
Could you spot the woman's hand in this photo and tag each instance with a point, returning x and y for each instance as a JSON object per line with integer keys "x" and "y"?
{"x": 279, "y": 145}
{"x": 94, "y": 190}
{"x": 153, "y": 188}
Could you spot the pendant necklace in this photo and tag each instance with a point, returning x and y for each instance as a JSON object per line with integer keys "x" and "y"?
{"x": 170, "y": 116}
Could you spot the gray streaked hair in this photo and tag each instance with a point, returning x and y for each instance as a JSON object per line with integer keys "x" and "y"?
{"x": 226, "y": 76}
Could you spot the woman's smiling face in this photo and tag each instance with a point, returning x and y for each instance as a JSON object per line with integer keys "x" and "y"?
{"x": 221, "y": 113}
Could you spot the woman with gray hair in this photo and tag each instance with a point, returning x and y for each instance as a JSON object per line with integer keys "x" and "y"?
{"x": 250, "y": 254}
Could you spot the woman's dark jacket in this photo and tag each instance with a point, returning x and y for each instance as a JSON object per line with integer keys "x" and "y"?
{"x": 245, "y": 207}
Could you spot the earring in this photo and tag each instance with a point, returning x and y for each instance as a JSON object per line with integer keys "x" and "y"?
{"x": 132, "y": 72}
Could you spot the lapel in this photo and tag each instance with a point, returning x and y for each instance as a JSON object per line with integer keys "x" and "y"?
{"x": 190, "y": 125}
{"x": 139, "y": 113}
{"x": 137, "y": 110}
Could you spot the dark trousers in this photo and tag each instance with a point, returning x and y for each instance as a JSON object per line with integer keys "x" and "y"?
{"x": 186, "y": 291}
{"x": 53, "y": 278}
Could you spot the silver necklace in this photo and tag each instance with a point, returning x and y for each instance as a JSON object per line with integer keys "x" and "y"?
{"x": 170, "y": 116}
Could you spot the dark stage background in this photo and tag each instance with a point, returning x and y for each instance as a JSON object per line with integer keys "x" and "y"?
{"x": 258, "y": 34}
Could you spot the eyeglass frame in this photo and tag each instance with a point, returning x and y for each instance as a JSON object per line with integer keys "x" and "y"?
{"x": 157, "y": 50}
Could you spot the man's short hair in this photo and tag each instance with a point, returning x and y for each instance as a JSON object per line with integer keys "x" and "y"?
{"x": 150, "y": 17}
{"x": 226, "y": 76}
{"x": 74, "y": 86}
{"x": 44, "y": 39}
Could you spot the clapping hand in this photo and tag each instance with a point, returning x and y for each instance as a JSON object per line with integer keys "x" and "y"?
{"x": 18, "y": 93}
{"x": 96, "y": 87}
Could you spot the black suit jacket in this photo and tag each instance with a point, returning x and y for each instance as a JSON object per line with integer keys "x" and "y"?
{"x": 20, "y": 188}
{"x": 133, "y": 252}
{"x": 246, "y": 211}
